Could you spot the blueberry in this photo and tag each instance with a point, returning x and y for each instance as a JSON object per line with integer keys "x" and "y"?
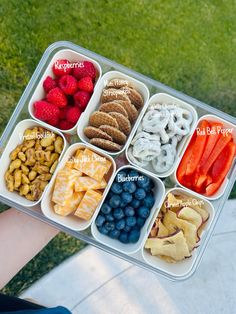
{"x": 123, "y": 203}
{"x": 100, "y": 220}
{"x": 134, "y": 236}
{"x": 137, "y": 227}
{"x": 140, "y": 194}
{"x": 144, "y": 182}
{"x": 109, "y": 226}
{"x": 129, "y": 211}
{"x": 127, "y": 228}
{"x": 121, "y": 174}
{"x": 115, "y": 201}
{"x": 135, "y": 203}
{"x": 118, "y": 213}
{"x": 103, "y": 230}
{"x": 133, "y": 173}
{"x": 106, "y": 209}
{"x": 120, "y": 224}
{"x": 114, "y": 234}
{"x": 152, "y": 184}
{"x": 143, "y": 212}
{"x": 140, "y": 221}
{"x": 123, "y": 237}
{"x": 127, "y": 197}
{"x": 116, "y": 188}
{"x": 109, "y": 195}
{"x": 149, "y": 200}
{"x": 109, "y": 217}
{"x": 131, "y": 221}
{"x": 147, "y": 188}
{"x": 129, "y": 187}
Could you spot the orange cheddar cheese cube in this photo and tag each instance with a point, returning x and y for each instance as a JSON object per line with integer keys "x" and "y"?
{"x": 88, "y": 164}
{"x": 88, "y": 205}
{"x": 69, "y": 164}
{"x": 86, "y": 183}
{"x": 64, "y": 185}
{"x": 70, "y": 205}
{"x": 95, "y": 157}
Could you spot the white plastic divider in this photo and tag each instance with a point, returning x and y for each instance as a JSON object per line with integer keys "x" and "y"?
{"x": 71, "y": 221}
{"x": 39, "y": 92}
{"x": 16, "y": 139}
{"x": 226, "y": 125}
{"x": 181, "y": 268}
{"x": 165, "y": 99}
{"x": 95, "y": 103}
{"x": 130, "y": 248}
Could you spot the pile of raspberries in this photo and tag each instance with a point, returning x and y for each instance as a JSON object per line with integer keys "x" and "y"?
{"x": 67, "y": 95}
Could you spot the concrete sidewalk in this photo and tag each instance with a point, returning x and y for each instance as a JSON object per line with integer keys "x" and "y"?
{"x": 94, "y": 282}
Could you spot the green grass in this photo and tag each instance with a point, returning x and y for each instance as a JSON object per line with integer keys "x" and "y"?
{"x": 189, "y": 45}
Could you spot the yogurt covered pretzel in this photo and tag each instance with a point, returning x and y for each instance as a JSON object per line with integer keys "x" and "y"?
{"x": 165, "y": 160}
{"x": 145, "y": 149}
{"x": 139, "y": 162}
{"x": 180, "y": 121}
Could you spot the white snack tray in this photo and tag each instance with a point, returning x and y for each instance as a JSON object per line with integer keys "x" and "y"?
{"x": 165, "y": 99}
{"x": 95, "y": 102}
{"x": 154, "y": 87}
{"x": 16, "y": 139}
{"x": 227, "y": 125}
{"x": 182, "y": 268}
{"x": 39, "y": 92}
{"x": 72, "y": 222}
{"x": 159, "y": 191}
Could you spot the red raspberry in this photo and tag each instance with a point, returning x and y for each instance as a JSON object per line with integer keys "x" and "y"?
{"x": 73, "y": 115}
{"x": 56, "y": 97}
{"x": 65, "y": 125}
{"x": 86, "y": 84}
{"x": 49, "y": 83}
{"x": 81, "y": 99}
{"x": 61, "y": 67}
{"x": 68, "y": 84}
{"x": 63, "y": 112}
{"x": 45, "y": 111}
{"x": 86, "y": 68}
{"x": 54, "y": 121}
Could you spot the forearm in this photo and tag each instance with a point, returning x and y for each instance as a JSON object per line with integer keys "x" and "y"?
{"x": 21, "y": 238}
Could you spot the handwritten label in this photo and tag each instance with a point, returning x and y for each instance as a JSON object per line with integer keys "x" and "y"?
{"x": 214, "y": 131}
{"x": 122, "y": 178}
{"x": 185, "y": 203}
{"x": 68, "y": 65}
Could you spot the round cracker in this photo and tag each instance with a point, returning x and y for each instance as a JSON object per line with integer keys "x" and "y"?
{"x": 123, "y": 122}
{"x": 113, "y": 106}
{"x": 91, "y": 132}
{"x": 105, "y": 144}
{"x": 98, "y": 118}
{"x": 117, "y": 135}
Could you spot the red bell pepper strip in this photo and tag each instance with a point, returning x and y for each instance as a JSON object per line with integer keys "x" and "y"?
{"x": 212, "y": 139}
{"x": 221, "y": 167}
{"x": 198, "y": 147}
{"x": 182, "y": 166}
{"x": 218, "y": 148}
{"x": 223, "y": 162}
{"x": 188, "y": 181}
{"x": 209, "y": 180}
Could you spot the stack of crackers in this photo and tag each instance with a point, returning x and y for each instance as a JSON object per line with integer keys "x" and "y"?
{"x": 111, "y": 124}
